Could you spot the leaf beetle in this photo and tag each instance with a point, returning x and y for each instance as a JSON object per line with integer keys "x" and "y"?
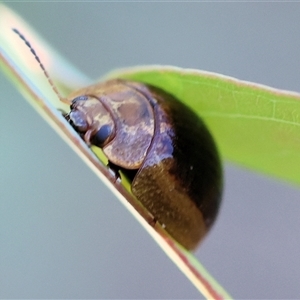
{"x": 147, "y": 132}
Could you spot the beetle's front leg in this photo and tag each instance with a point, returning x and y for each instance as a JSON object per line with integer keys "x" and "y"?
{"x": 114, "y": 170}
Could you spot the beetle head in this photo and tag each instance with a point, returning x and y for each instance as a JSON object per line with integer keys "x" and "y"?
{"x": 92, "y": 120}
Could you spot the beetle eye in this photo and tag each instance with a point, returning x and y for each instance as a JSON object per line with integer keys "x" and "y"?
{"x": 78, "y": 121}
{"x": 102, "y": 135}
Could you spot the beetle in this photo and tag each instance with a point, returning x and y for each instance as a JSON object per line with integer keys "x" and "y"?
{"x": 160, "y": 143}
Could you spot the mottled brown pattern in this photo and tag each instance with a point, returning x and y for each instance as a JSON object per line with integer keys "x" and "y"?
{"x": 180, "y": 181}
{"x": 133, "y": 119}
{"x": 179, "y": 177}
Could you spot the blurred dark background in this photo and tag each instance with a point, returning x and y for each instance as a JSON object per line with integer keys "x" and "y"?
{"x": 64, "y": 235}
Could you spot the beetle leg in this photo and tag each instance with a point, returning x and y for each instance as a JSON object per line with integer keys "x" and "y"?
{"x": 89, "y": 132}
{"x": 87, "y": 137}
{"x": 114, "y": 171}
{"x": 152, "y": 222}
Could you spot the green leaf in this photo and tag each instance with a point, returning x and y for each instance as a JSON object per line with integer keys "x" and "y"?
{"x": 254, "y": 125}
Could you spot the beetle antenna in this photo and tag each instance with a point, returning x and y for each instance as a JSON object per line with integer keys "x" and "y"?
{"x": 62, "y": 99}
